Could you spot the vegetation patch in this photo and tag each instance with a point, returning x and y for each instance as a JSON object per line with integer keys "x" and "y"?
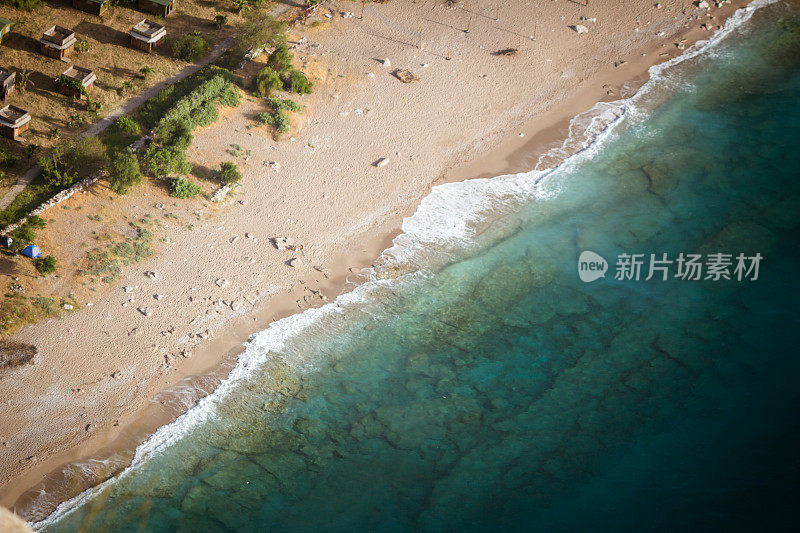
{"x": 183, "y": 188}
{"x": 106, "y": 263}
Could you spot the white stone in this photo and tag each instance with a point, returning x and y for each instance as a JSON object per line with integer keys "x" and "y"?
{"x": 580, "y": 28}
{"x": 387, "y": 63}
{"x": 222, "y": 282}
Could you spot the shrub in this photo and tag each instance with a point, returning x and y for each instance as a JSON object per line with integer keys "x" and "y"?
{"x": 55, "y": 169}
{"x": 8, "y": 159}
{"x": 46, "y": 264}
{"x": 76, "y": 87}
{"x": 175, "y": 133}
{"x": 220, "y": 20}
{"x": 197, "y": 88}
{"x": 281, "y": 104}
{"x": 228, "y": 173}
{"x": 297, "y": 82}
{"x": 265, "y": 82}
{"x": 125, "y": 124}
{"x": 146, "y": 71}
{"x": 190, "y": 48}
{"x": 280, "y": 60}
{"x": 165, "y": 161}
{"x": 277, "y": 119}
{"x": 26, "y": 5}
{"x": 183, "y": 188}
{"x": 26, "y": 233}
{"x": 125, "y": 171}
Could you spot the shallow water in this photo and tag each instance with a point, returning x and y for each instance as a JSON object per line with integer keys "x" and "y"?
{"x": 500, "y": 391}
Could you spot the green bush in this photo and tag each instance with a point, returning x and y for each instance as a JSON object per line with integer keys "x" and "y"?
{"x": 125, "y": 171}
{"x": 220, "y": 20}
{"x": 265, "y": 82}
{"x": 297, "y": 82}
{"x": 283, "y": 104}
{"x": 183, "y": 188}
{"x": 175, "y": 133}
{"x": 45, "y": 264}
{"x": 277, "y": 119}
{"x": 280, "y": 60}
{"x": 78, "y": 90}
{"x": 229, "y": 173}
{"x": 195, "y": 87}
{"x": 26, "y": 5}
{"x": 26, "y": 233}
{"x": 165, "y": 161}
{"x": 125, "y": 124}
{"x": 190, "y": 48}
{"x": 7, "y": 159}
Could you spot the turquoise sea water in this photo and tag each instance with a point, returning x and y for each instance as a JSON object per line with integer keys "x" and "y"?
{"x": 495, "y": 390}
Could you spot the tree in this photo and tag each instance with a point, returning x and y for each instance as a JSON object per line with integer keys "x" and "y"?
{"x": 125, "y": 171}
{"x": 258, "y": 31}
{"x": 297, "y": 82}
{"x": 229, "y": 173}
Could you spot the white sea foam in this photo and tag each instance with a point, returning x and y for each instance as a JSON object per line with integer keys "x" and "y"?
{"x": 445, "y": 218}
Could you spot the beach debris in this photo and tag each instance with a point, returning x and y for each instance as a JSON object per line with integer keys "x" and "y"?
{"x": 233, "y": 239}
{"x": 146, "y": 311}
{"x": 580, "y": 28}
{"x": 382, "y": 162}
{"x": 133, "y": 332}
{"x": 405, "y": 75}
{"x": 150, "y": 274}
{"x": 387, "y": 63}
{"x": 507, "y": 52}
{"x": 222, "y": 282}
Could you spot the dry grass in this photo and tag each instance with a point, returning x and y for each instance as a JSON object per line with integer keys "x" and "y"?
{"x": 15, "y": 354}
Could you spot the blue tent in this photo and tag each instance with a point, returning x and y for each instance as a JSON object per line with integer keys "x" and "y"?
{"x": 32, "y": 251}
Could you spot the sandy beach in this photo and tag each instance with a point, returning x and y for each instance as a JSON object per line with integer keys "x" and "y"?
{"x": 107, "y": 376}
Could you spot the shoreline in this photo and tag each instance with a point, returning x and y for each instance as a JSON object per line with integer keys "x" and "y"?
{"x": 503, "y": 153}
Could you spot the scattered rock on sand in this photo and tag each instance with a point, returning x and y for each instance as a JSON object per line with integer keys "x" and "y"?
{"x": 146, "y": 311}
{"x": 127, "y": 289}
{"x": 68, "y": 307}
{"x": 222, "y": 282}
{"x": 382, "y": 162}
{"x": 295, "y": 262}
{"x": 702, "y": 4}
{"x": 580, "y": 28}
{"x": 151, "y": 274}
{"x": 158, "y": 296}
{"x": 387, "y": 63}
